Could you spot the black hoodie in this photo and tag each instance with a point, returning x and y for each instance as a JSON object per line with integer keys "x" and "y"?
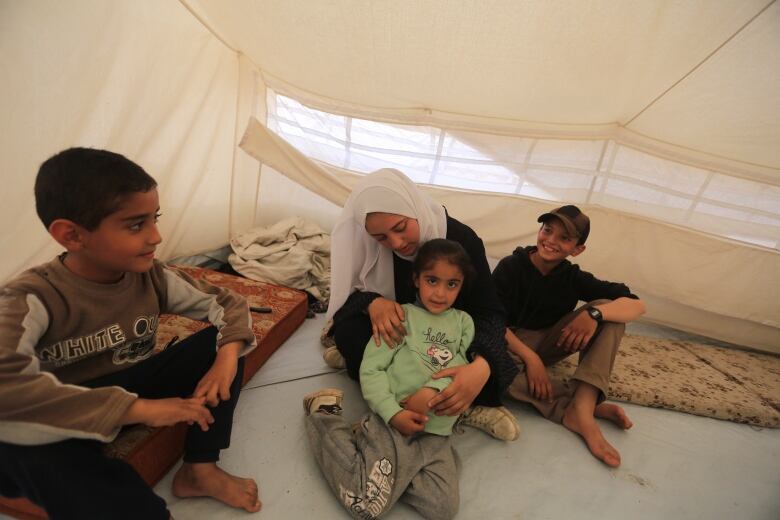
{"x": 536, "y": 301}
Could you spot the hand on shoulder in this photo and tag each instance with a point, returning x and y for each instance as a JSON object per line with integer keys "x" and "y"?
{"x": 387, "y": 318}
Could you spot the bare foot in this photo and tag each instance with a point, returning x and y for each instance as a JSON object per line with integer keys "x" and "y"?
{"x": 208, "y": 480}
{"x": 614, "y": 413}
{"x": 582, "y": 422}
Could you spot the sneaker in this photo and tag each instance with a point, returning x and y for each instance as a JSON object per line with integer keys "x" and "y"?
{"x": 327, "y": 400}
{"x": 496, "y": 421}
{"x": 333, "y": 358}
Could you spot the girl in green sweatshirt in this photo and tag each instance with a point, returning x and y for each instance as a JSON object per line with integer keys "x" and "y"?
{"x": 401, "y": 442}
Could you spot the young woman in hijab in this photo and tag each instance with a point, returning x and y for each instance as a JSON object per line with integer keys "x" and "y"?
{"x": 373, "y": 244}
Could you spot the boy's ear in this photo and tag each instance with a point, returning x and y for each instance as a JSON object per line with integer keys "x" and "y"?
{"x": 67, "y": 233}
{"x": 577, "y": 250}
{"x": 416, "y": 280}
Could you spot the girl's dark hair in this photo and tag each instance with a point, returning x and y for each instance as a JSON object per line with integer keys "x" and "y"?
{"x": 443, "y": 249}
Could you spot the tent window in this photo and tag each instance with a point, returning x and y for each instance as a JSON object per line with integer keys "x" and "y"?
{"x": 600, "y": 172}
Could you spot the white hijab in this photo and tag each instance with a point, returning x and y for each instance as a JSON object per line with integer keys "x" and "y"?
{"x": 358, "y": 261}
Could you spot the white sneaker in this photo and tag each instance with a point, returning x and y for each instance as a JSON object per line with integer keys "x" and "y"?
{"x": 327, "y": 400}
{"x": 496, "y": 421}
{"x": 333, "y": 358}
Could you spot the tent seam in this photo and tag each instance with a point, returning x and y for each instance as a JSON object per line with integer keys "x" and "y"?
{"x": 702, "y": 62}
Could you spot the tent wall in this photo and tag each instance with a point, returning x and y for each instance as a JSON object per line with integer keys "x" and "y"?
{"x": 685, "y": 78}
{"x": 145, "y": 79}
{"x": 691, "y": 281}
{"x": 694, "y": 82}
{"x": 171, "y": 84}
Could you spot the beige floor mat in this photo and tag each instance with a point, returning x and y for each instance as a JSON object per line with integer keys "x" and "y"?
{"x": 717, "y": 382}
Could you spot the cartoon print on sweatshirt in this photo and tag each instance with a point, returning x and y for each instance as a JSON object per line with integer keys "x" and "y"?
{"x": 439, "y": 352}
{"x": 439, "y": 356}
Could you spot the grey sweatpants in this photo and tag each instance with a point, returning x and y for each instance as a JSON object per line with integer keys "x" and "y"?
{"x": 374, "y": 467}
{"x": 595, "y": 363}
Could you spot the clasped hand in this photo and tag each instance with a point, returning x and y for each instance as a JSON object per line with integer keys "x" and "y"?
{"x": 212, "y": 387}
{"x": 413, "y": 417}
{"x": 577, "y": 334}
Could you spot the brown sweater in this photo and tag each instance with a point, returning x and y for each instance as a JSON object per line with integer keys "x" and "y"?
{"x": 58, "y": 330}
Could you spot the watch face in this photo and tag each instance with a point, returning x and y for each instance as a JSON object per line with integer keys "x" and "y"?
{"x": 595, "y": 314}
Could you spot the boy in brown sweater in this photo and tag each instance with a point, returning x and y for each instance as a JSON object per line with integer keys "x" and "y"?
{"x": 77, "y": 358}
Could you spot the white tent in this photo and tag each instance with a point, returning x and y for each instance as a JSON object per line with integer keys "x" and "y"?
{"x": 661, "y": 118}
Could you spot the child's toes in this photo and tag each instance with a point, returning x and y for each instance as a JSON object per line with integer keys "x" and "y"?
{"x": 252, "y": 503}
{"x": 251, "y": 485}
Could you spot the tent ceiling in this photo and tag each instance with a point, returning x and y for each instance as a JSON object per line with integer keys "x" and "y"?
{"x": 701, "y": 75}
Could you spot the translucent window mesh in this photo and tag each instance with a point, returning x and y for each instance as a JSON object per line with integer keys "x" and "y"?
{"x": 602, "y": 172}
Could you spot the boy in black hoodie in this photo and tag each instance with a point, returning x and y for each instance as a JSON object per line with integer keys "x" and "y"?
{"x": 540, "y": 289}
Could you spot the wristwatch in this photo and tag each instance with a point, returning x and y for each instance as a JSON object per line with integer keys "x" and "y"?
{"x": 595, "y": 314}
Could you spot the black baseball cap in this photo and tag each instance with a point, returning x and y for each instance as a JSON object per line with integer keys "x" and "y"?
{"x": 575, "y": 221}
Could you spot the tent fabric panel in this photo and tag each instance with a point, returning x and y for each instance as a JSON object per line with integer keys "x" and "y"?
{"x": 581, "y": 171}
{"x": 246, "y": 172}
{"x": 715, "y": 109}
{"x": 472, "y": 56}
{"x": 279, "y": 194}
{"x": 658, "y": 260}
{"x": 562, "y": 68}
{"x": 144, "y": 79}
{"x": 535, "y": 130}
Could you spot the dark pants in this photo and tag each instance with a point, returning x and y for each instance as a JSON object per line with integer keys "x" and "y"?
{"x": 73, "y": 479}
{"x": 353, "y": 334}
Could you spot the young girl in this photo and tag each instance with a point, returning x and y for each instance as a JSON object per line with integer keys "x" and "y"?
{"x": 402, "y": 449}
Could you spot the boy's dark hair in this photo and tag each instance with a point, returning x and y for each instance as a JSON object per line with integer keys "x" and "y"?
{"x": 443, "y": 249}
{"x": 86, "y": 185}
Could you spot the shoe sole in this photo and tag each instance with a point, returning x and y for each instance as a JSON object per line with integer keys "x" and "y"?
{"x": 518, "y": 429}
{"x": 325, "y": 392}
{"x": 513, "y": 419}
{"x": 334, "y": 360}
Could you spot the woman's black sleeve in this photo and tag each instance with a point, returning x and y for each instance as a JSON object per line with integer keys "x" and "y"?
{"x": 484, "y": 306}
{"x": 489, "y": 343}
{"x": 357, "y": 303}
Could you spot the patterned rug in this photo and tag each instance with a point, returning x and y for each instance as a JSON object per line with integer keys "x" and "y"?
{"x": 723, "y": 383}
